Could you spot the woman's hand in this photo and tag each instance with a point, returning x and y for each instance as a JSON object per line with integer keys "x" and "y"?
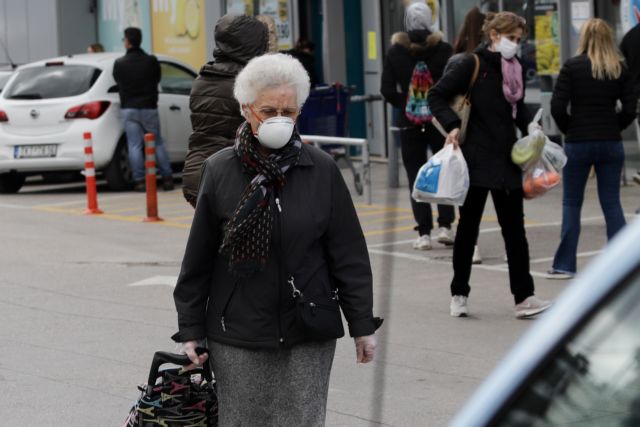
{"x": 452, "y": 138}
{"x": 365, "y": 348}
{"x": 189, "y": 349}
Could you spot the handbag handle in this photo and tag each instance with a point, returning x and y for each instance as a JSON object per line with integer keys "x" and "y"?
{"x": 162, "y": 357}
{"x": 474, "y": 77}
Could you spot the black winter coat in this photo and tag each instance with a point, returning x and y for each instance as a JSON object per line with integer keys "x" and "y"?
{"x": 400, "y": 61}
{"x": 593, "y": 102}
{"x": 137, "y": 75}
{"x": 491, "y": 132}
{"x": 317, "y": 239}
{"x": 630, "y": 48}
{"x": 215, "y": 113}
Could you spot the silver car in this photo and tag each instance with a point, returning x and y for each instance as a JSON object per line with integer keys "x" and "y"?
{"x": 579, "y": 365}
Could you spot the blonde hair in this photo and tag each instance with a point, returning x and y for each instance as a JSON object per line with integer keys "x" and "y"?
{"x": 596, "y": 41}
{"x": 504, "y": 23}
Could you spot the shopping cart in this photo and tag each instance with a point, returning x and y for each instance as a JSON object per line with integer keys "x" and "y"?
{"x": 325, "y": 114}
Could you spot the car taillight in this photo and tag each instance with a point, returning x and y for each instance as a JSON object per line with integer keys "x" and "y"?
{"x": 90, "y": 110}
{"x": 3, "y": 117}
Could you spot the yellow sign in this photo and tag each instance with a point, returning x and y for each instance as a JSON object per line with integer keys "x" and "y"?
{"x": 178, "y": 30}
{"x": 373, "y": 46}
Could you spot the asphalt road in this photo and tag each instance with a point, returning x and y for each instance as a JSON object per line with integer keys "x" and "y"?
{"x": 86, "y": 300}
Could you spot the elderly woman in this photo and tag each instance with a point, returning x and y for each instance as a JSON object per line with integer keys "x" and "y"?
{"x": 275, "y": 250}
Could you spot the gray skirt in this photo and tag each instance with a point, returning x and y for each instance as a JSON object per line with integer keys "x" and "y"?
{"x": 284, "y": 387}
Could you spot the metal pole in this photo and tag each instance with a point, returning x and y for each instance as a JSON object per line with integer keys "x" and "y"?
{"x": 366, "y": 171}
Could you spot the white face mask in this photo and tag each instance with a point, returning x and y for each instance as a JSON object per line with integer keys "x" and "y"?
{"x": 274, "y": 133}
{"x": 506, "y": 47}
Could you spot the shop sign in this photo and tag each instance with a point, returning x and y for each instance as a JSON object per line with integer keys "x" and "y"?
{"x": 629, "y": 14}
{"x": 116, "y": 15}
{"x": 547, "y": 37}
{"x": 280, "y": 11}
{"x": 179, "y": 30}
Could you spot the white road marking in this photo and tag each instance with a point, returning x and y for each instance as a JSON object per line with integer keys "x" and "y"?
{"x": 157, "y": 281}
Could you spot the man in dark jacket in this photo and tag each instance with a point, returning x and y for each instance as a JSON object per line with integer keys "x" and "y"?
{"x": 137, "y": 75}
{"x": 418, "y": 44}
{"x": 630, "y": 48}
{"x": 215, "y": 113}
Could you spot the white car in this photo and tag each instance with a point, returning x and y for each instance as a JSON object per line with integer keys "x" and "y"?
{"x": 4, "y": 77}
{"x": 47, "y": 106}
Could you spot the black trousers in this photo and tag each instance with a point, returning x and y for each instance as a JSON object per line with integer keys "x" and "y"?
{"x": 510, "y": 211}
{"x": 414, "y": 144}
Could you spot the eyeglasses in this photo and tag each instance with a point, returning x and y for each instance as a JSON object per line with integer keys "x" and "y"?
{"x": 269, "y": 113}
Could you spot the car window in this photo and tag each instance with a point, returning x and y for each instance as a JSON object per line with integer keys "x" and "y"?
{"x": 175, "y": 79}
{"x": 595, "y": 378}
{"x": 3, "y": 80}
{"x": 54, "y": 81}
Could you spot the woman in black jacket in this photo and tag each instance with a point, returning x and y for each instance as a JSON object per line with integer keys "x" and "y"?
{"x": 215, "y": 114}
{"x": 497, "y": 100}
{"x": 591, "y": 83}
{"x": 420, "y": 45}
{"x": 274, "y": 227}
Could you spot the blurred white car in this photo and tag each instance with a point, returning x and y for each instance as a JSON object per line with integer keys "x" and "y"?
{"x": 4, "y": 77}
{"x": 579, "y": 365}
{"x": 47, "y": 106}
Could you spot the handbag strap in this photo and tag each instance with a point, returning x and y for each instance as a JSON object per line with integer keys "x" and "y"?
{"x": 474, "y": 77}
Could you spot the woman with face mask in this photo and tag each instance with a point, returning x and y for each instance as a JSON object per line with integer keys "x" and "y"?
{"x": 275, "y": 252}
{"x": 497, "y": 107}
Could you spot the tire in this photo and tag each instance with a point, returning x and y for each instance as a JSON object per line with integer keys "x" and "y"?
{"x": 118, "y": 172}
{"x": 11, "y": 182}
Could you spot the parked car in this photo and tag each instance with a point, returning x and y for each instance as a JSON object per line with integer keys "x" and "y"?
{"x": 4, "y": 77}
{"x": 47, "y": 106}
{"x": 579, "y": 365}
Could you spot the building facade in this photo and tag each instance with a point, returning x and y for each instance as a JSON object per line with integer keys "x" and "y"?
{"x": 350, "y": 36}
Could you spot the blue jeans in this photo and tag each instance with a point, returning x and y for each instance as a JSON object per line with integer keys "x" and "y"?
{"x": 136, "y": 123}
{"x": 607, "y": 158}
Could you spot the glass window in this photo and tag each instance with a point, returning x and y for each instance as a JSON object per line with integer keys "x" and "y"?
{"x": 594, "y": 380}
{"x": 175, "y": 79}
{"x": 54, "y": 81}
{"x": 3, "y": 79}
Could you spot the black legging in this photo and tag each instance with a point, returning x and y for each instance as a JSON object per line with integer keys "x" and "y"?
{"x": 414, "y": 145}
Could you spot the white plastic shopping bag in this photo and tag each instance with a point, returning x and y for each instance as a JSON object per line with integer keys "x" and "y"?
{"x": 444, "y": 179}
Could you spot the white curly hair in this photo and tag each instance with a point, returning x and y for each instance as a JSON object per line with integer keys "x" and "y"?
{"x": 269, "y": 71}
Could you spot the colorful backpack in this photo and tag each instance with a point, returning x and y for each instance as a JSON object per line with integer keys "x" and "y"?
{"x": 417, "y": 109}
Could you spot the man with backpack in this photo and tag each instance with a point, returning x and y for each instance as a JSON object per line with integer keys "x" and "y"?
{"x": 413, "y": 64}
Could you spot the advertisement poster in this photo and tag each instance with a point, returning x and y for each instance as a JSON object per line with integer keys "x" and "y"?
{"x": 547, "y": 38}
{"x": 179, "y": 30}
{"x": 116, "y": 15}
{"x": 629, "y": 14}
{"x": 240, "y": 7}
{"x": 280, "y": 11}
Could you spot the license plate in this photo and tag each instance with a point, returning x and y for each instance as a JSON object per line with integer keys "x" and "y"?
{"x": 35, "y": 151}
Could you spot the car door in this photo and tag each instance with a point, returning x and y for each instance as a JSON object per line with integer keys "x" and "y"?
{"x": 173, "y": 108}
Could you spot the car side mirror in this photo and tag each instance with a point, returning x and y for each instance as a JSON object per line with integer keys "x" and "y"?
{"x": 113, "y": 89}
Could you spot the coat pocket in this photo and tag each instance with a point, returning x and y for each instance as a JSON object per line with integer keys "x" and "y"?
{"x": 225, "y": 306}
{"x": 320, "y": 318}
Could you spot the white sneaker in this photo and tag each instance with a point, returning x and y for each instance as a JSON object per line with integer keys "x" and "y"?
{"x": 444, "y": 236}
{"x": 477, "y": 258}
{"x": 423, "y": 243}
{"x": 458, "y": 307}
{"x": 531, "y": 306}
{"x": 558, "y": 275}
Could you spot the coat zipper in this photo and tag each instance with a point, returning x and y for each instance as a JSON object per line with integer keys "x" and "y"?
{"x": 280, "y": 257}
{"x": 226, "y": 305}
